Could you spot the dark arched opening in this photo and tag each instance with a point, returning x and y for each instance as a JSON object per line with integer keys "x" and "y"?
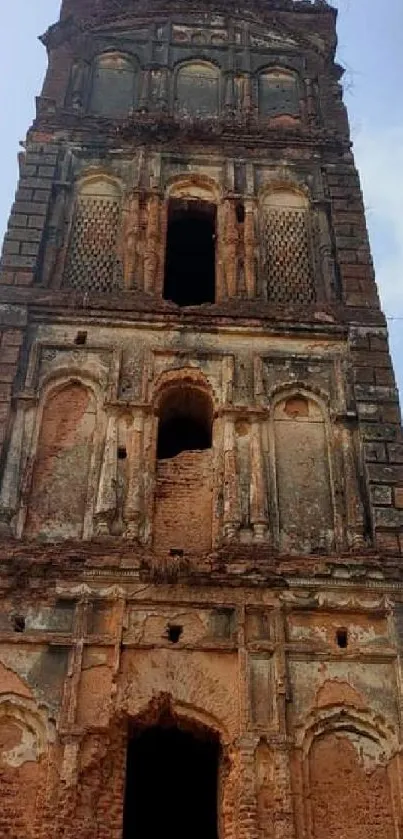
{"x": 190, "y": 253}
{"x": 171, "y": 784}
{"x": 185, "y": 422}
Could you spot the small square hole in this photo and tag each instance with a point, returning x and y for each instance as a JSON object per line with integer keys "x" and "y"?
{"x": 80, "y": 339}
{"x": 174, "y": 632}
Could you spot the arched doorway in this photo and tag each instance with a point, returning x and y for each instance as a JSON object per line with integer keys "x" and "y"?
{"x": 171, "y": 784}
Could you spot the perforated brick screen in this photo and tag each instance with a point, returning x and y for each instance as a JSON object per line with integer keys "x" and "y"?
{"x": 288, "y": 256}
{"x": 92, "y": 262}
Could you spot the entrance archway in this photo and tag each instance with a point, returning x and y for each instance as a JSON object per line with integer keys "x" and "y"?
{"x": 171, "y": 784}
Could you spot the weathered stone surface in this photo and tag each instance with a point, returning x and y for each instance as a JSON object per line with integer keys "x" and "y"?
{"x": 201, "y": 480}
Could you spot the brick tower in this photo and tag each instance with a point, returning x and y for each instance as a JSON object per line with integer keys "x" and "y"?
{"x": 201, "y": 495}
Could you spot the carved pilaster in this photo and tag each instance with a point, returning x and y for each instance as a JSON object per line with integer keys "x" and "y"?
{"x": 354, "y": 509}
{"x": 149, "y": 474}
{"x": 232, "y": 513}
{"x": 220, "y": 254}
{"x": 249, "y": 249}
{"x": 231, "y": 250}
{"x": 130, "y": 236}
{"x": 229, "y": 99}
{"x": 106, "y": 506}
{"x": 56, "y": 242}
{"x": 134, "y": 503}
{"x": 326, "y": 255}
{"x": 247, "y": 821}
{"x": 284, "y": 825}
{"x": 144, "y": 89}
{"x": 258, "y": 494}
{"x": 151, "y": 254}
{"x": 10, "y": 488}
{"x": 78, "y": 78}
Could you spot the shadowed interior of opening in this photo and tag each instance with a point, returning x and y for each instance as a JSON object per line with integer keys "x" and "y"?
{"x": 185, "y": 422}
{"x": 190, "y": 253}
{"x": 171, "y": 785}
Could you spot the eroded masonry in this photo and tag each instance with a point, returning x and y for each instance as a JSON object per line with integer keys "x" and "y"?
{"x": 201, "y": 485}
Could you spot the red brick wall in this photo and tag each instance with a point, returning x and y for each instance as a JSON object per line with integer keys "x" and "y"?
{"x": 183, "y": 502}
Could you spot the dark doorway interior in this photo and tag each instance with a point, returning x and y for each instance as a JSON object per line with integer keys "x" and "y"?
{"x": 171, "y": 785}
{"x": 190, "y": 253}
{"x": 185, "y": 422}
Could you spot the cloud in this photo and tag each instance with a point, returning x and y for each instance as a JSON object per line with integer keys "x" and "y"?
{"x": 379, "y": 156}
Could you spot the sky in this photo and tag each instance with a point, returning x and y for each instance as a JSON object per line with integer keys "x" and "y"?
{"x": 370, "y": 48}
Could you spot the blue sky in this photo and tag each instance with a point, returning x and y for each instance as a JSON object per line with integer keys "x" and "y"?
{"x": 370, "y": 47}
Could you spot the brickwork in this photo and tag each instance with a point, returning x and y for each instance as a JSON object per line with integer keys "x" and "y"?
{"x": 242, "y": 586}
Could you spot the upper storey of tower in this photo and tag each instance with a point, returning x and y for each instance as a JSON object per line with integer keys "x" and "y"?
{"x": 162, "y": 68}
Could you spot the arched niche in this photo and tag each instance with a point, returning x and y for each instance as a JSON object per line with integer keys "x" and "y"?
{"x": 287, "y": 246}
{"x": 61, "y": 471}
{"x": 302, "y": 474}
{"x": 24, "y": 740}
{"x": 349, "y": 786}
{"x": 184, "y": 470}
{"x": 92, "y": 261}
{"x": 113, "y": 85}
{"x": 197, "y": 89}
{"x": 278, "y": 93}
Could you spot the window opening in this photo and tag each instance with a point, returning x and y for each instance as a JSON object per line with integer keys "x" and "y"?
{"x": 240, "y": 212}
{"x": 80, "y": 339}
{"x": 18, "y": 622}
{"x": 342, "y": 638}
{"x": 171, "y": 785}
{"x": 185, "y": 423}
{"x": 190, "y": 253}
{"x": 174, "y": 632}
{"x": 122, "y": 453}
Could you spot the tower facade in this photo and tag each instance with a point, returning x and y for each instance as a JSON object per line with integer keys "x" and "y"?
{"x": 201, "y": 497}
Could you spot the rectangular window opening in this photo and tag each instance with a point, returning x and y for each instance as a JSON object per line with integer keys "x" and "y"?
{"x": 190, "y": 252}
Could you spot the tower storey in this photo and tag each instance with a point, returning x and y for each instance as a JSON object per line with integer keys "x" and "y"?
{"x": 201, "y": 480}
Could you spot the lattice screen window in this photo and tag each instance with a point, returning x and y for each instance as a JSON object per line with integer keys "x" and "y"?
{"x": 92, "y": 263}
{"x": 288, "y": 249}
